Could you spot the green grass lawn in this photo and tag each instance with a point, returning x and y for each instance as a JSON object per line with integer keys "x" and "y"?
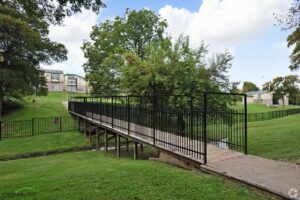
{"x": 94, "y": 175}
{"x": 258, "y": 108}
{"x": 45, "y": 106}
{"x": 40, "y": 143}
{"x": 276, "y": 139}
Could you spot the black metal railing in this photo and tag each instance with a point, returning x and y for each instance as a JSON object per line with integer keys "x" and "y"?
{"x": 252, "y": 117}
{"x": 36, "y": 126}
{"x": 180, "y": 123}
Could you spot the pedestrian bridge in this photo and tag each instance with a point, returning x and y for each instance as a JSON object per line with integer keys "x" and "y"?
{"x": 204, "y": 129}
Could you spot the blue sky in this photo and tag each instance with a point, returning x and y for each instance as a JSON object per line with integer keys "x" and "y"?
{"x": 244, "y": 27}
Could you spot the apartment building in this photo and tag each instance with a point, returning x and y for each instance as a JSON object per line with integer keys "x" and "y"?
{"x": 58, "y": 81}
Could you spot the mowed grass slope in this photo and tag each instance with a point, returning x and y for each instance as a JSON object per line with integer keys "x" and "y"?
{"x": 42, "y": 143}
{"x": 45, "y": 106}
{"x": 94, "y": 175}
{"x": 259, "y": 108}
{"x": 276, "y": 139}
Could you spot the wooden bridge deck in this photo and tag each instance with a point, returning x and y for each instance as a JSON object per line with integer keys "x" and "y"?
{"x": 182, "y": 146}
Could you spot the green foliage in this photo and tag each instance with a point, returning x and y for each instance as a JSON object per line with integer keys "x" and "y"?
{"x": 53, "y": 11}
{"x": 24, "y": 42}
{"x": 289, "y": 21}
{"x": 131, "y": 55}
{"x": 281, "y": 86}
{"x": 111, "y": 40}
{"x": 294, "y": 39}
{"x": 249, "y": 87}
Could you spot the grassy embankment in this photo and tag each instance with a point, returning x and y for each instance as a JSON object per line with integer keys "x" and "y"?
{"x": 259, "y": 108}
{"x": 94, "y": 175}
{"x": 276, "y": 139}
{"x": 45, "y": 106}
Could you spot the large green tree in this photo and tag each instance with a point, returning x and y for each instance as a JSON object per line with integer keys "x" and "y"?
{"x": 281, "y": 86}
{"x": 133, "y": 55}
{"x": 249, "y": 87}
{"x": 291, "y": 20}
{"x": 175, "y": 69}
{"x": 24, "y": 42}
{"x": 110, "y": 40}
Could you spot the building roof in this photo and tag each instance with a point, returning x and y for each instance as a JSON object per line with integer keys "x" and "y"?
{"x": 74, "y": 75}
{"x": 53, "y": 71}
{"x": 256, "y": 92}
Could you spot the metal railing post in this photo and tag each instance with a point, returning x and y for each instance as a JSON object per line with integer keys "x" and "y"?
{"x": 192, "y": 117}
{"x": 112, "y": 112}
{"x": 154, "y": 118}
{"x": 128, "y": 115}
{"x": 246, "y": 119}
{"x": 204, "y": 127}
{"x": 100, "y": 110}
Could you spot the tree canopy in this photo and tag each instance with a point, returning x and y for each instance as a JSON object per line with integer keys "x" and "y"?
{"x": 134, "y": 55}
{"x": 291, "y": 20}
{"x": 249, "y": 87}
{"x": 24, "y": 42}
{"x": 287, "y": 85}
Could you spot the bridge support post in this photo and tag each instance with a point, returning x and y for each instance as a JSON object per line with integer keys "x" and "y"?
{"x": 127, "y": 144}
{"x": 118, "y": 145}
{"x": 105, "y": 141}
{"x": 90, "y": 134}
{"x": 142, "y": 149}
{"x": 84, "y": 128}
{"x": 97, "y": 138}
{"x": 135, "y": 150}
{"x": 78, "y": 123}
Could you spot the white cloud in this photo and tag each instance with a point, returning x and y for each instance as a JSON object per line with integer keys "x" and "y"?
{"x": 223, "y": 22}
{"x": 74, "y": 30}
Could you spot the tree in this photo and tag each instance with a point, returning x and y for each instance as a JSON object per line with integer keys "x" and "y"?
{"x": 24, "y": 42}
{"x": 281, "y": 86}
{"x": 249, "y": 87}
{"x": 289, "y": 21}
{"x": 112, "y": 39}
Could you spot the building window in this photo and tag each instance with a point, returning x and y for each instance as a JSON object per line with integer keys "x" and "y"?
{"x": 55, "y": 77}
{"x": 72, "y": 81}
{"x": 54, "y": 87}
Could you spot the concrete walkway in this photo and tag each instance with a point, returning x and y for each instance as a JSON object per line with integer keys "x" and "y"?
{"x": 275, "y": 176}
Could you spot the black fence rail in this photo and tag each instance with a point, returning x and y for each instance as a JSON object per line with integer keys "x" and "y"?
{"x": 36, "y": 126}
{"x": 182, "y": 123}
{"x": 252, "y": 117}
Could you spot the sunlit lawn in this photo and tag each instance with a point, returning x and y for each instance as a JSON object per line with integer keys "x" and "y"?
{"x": 94, "y": 175}
{"x": 42, "y": 143}
{"x": 45, "y": 106}
{"x": 276, "y": 139}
